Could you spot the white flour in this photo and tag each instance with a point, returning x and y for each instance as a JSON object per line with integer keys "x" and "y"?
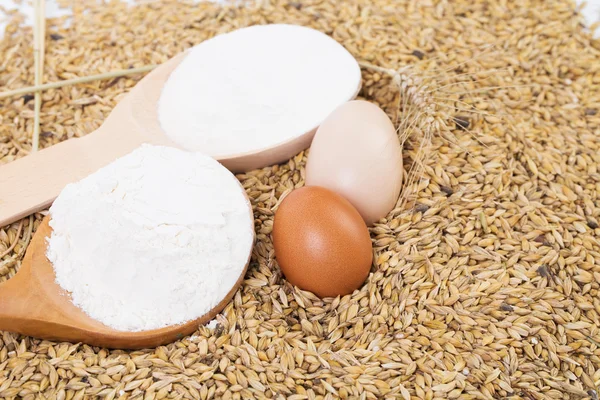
{"x": 255, "y": 87}
{"x": 156, "y": 238}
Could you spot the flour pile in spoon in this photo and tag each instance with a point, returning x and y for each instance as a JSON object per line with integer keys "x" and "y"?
{"x": 157, "y": 238}
{"x": 255, "y": 88}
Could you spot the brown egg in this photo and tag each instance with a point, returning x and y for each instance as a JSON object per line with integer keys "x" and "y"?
{"x": 321, "y": 242}
{"x": 357, "y": 154}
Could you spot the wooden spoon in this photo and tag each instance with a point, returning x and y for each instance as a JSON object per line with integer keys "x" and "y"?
{"x": 31, "y": 183}
{"x": 33, "y": 304}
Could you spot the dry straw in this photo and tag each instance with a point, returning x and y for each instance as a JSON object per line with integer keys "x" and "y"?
{"x": 75, "y": 81}
{"x": 39, "y": 30}
{"x": 486, "y": 280}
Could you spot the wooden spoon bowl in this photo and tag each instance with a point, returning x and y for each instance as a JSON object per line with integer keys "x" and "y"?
{"x": 33, "y": 304}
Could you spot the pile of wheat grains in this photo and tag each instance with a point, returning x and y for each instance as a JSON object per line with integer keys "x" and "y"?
{"x": 487, "y": 287}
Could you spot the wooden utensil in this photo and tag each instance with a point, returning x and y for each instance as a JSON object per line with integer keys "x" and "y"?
{"x": 33, "y": 304}
{"x": 31, "y": 183}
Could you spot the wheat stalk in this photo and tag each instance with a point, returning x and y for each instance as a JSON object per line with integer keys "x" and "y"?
{"x": 419, "y": 116}
{"x": 421, "y": 113}
{"x": 75, "y": 81}
{"x": 39, "y": 31}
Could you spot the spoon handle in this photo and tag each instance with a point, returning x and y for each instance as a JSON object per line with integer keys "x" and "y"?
{"x": 31, "y": 183}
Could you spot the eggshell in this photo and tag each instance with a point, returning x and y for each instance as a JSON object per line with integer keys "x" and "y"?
{"x": 357, "y": 154}
{"x": 321, "y": 242}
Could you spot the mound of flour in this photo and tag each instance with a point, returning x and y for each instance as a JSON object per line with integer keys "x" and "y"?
{"x": 255, "y": 87}
{"x": 156, "y": 238}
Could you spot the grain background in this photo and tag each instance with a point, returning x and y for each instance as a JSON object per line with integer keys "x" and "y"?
{"x": 486, "y": 286}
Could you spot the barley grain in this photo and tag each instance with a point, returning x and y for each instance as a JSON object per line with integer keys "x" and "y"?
{"x": 486, "y": 279}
